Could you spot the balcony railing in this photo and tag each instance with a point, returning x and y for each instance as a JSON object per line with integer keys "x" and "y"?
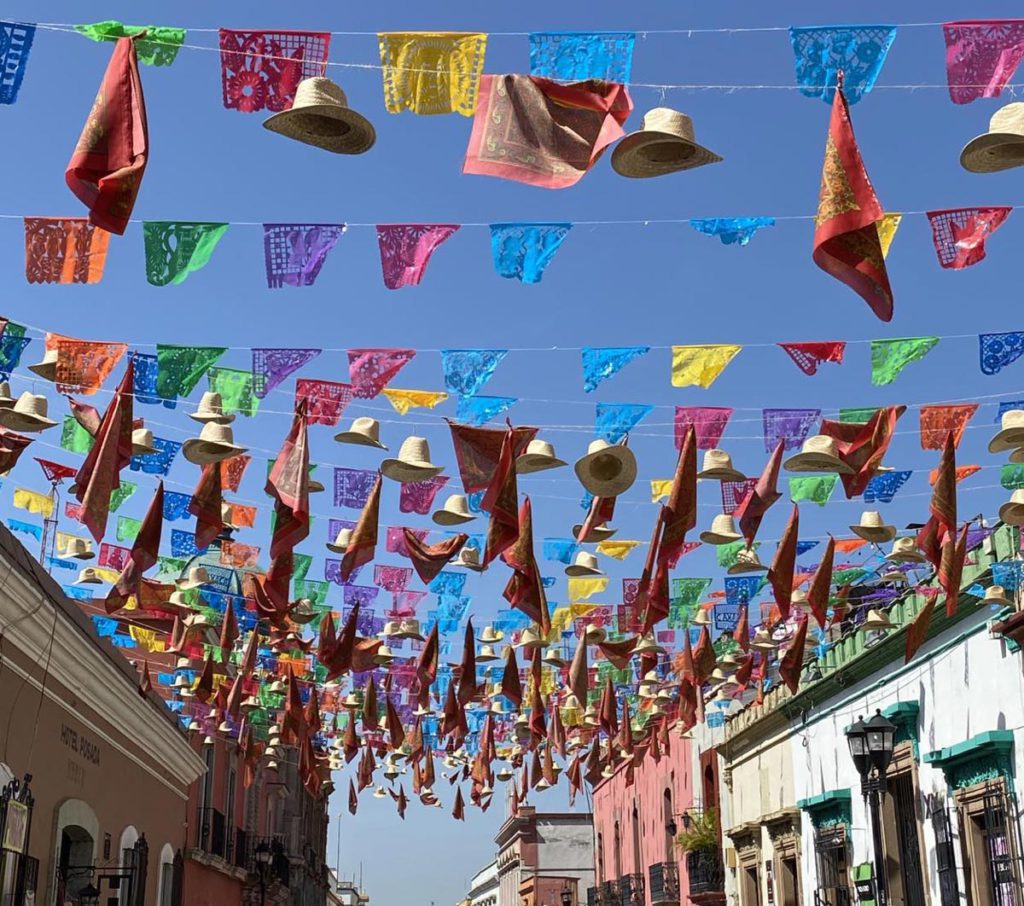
{"x": 595, "y": 896}
{"x": 631, "y": 889}
{"x": 612, "y": 897}
{"x": 663, "y": 878}
{"x": 705, "y": 872}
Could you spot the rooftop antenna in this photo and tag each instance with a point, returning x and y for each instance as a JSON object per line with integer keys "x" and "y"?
{"x": 55, "y": 474}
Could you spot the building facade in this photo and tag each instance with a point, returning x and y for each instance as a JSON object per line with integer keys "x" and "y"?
{"x": 484, "y": 889}
{"x": 948, "y": 821}
{"x": 110, "y": 768}
{"x": 542, "y": 856}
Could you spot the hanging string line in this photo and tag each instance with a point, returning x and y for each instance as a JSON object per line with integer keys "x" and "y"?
{"x": 654, "y": 86}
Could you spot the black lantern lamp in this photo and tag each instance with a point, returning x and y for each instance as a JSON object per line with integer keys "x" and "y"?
{"x": 88, "y": 896}
{"x": 880, "y": 737}
{"x": 857, "y": 739}
{"x": 567, "y": 895}
{"x": 263, "y": 857}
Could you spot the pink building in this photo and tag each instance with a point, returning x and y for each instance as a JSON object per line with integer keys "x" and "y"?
{"x": 636, "y": 860}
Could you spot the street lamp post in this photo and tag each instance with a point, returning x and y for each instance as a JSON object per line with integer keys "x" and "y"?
{"x": 88, "y": 896}
{"x": 871, "y": 745}
{"x": 263, "y": 858}
{"x": 566, "y": 895}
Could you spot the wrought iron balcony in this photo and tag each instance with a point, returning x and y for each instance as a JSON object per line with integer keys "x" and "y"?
{"x": 211, "y": 833}
{"x": 611, "y": 894}
{"x": 833, "y": 896}
{"x": 595, "y": 895}
{"x": 705, "y": 872}
{"x": 631, "y": 889}
{"x": 663, "y": 878}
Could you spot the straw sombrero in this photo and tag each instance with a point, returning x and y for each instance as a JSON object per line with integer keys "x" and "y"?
{"x": 410, "y": 629}
{"x": 142, "y": 442}
{"x": 996, "y": 594}
{"x": 341, "y": 543}
{"x": 364, "y": 432}
{"x": 1012, "y": 512}
{"x": 1010, "y": 434}
{"x": 47, "y": 368}
{"x": 722, "y": 531}
{"x": 664, "y": 144}
{"x": 211, "y": 409}
{"x": 79, "y": 549}
{"x": 6, "y": 400}
{"x": 454, "y": 512}
{"x": 413, "y": 462}
{"x": 584, "y": 564}
{"x": 28, "y": 414}
{"x": 717, "y": 466}
{"x": 747, "y": 561}
{"x": 818, "y": 454}
{"x": 1002, "y": 147}
{"x": 539, "y": 455}
{"x": 904, "y": 550}
{"x": 321, "y": 117}
{"x": 873, "y": 528}
{"x": 607, "y": 470}
{"x": 197, "y": 578}
{"x": 469, "y": 558}
{"x": 214, "y": 444}
{"x": 596, "y": 534}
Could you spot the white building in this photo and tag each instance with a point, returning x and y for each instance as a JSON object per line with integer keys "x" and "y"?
{"x": 949, "y": 820}
{"x": 484, "y": 888}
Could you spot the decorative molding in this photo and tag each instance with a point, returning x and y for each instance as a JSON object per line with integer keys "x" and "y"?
{"x": 987, "y": 756}
{"x": 905, "y": 716}
{"x": 829, "y": 809}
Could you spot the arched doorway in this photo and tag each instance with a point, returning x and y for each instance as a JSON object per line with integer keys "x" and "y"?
{"x": 75, "y": 839}
{"x": 74, "y": 864}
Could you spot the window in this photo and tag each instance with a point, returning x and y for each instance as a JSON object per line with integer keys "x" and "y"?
{"x": 789, "y": 884}
{"x": 832, "y": 857}
{"x": 991, "y": 845}
{"x": 165, "y": 894}
{"x": 618, "y": 852}
{"x": 945, "y": 858}
{"x": 600, "y": 859}
{"x": 750, "y": 892}
{"x": 229, "y": 810}
{"x": 206, "y": 790}
{"x": 636, "y": 839}
{"x": 666, "y": 808}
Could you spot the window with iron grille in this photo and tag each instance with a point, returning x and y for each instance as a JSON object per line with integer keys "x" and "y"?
{"x": 831, "y": 854}
{"x": 945, "y": 852}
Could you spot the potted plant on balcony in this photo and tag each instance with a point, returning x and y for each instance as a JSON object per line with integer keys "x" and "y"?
{"x": 699, "y": 840}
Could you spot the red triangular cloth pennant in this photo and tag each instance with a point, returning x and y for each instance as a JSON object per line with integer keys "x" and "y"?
{"x": 846, "y": 241}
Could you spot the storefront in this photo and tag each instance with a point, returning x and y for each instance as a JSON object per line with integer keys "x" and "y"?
{"x": 110, "y": 768}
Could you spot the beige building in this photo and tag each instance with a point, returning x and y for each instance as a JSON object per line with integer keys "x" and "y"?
{"x": 110, "y": 768}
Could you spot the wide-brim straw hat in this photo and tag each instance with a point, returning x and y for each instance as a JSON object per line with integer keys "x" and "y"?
{"x": 315, "y": 485}
{"x": 722, "y": 531}
{"x": 27, "y": 414}
{"x": 584, "y": 564}
{"x": 553, "y": 659}
{"x": 1002, "y": 147}
{"x": 197, "y": 578}
{"x": 1017, "y": 456}
{"x": 717, "y": 466}
{"x": 873, "y": 528}
{"x": 340, "y": 544}
{"x": 996, "y": 594}
{"x": 79, "y": 549}
{"x": 876, "y": 621}
{"x": 665, "y": 143}
{"x": 211, "y": 409}
{"x": 321, "y": 117}
{"x": 701, "y": 617}
{"x": 410, "y": 629}
{"x": 594, "y": 634}
{"x": 363, "y": 432}
{"x": 6, "y": 400}
{"x": 412, "y": 463}
{"x": 486, "y": 654}
{"x": 597, "y": 533}
{"x": 607, "y": 470}
{"x": 383, "y": 656}
{"x": 142, "y": 442}
{"x": 530, "y": 639}
{"x": 88, "y": 576}
{"x": 490, "y": 635}
{"x": 454, "y": 512}
{"x": 302, "y": 612}
{"x": 1012, "y": 512}
{"x": 1010, "y": 434}
{"x": 47, "y": 368}
{"x": 817, "y": 454}
{"x": 469, "y": 558}
{"x": 905, "y": 550}
{"x": 539, "y": 455}
{"x": 747, "y": 561}
{"x": 214, "y": 444}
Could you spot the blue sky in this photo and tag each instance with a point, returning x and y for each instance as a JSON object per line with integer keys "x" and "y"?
{"x": 610, "y": 285}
